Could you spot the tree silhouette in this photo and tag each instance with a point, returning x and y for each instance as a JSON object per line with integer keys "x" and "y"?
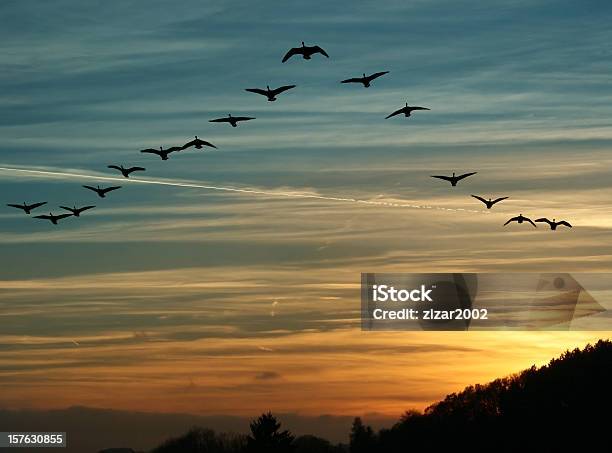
{"x": 266, "y": 436}
{"x": 362, "y": 438}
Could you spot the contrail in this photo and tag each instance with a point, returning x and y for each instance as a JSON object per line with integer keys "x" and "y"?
{"x": 46, "y": 173}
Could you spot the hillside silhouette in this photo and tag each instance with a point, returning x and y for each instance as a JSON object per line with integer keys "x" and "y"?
{"x": 562, "y": 406}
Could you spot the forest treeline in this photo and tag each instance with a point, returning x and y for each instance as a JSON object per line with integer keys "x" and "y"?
{"x": 562, "y": 406}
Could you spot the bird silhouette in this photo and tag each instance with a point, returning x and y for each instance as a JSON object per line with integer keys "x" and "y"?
{"x": 454, "y": 179}
{"x": 406, "y": 110}
{"x": 197, "y": 143}
{"x": 27, "y": 208}
{"x": 489, "y": 203}
{"x": 305, "y": 51}
{"x": 520, "y": 219}
{"x": 270, "y": 94}
{"x": 126, "y": 171}
{"x": 161, "y": 152}
{"x": 366, "y": 80}
{"x": 233, "y": 120}
{"x": 553, "y": 225}
{"x": 52, "y": 218}
{"x": 102, "y": 192}
{"x": 77, "y": 211}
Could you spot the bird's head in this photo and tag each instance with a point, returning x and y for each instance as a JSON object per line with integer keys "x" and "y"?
{"x": 268, "y": 87}
{"x": 554, "y": 220}
{"x": 364, "y": 75}
{"x": 303, "y": 45}
{"x": 196, "y": 137}
{"x": 453, "y": 172}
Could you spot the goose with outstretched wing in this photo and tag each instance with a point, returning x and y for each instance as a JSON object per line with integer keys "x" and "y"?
{"x": 126, "y": 171}
{"x": 366, "y": 80}
{"x": 520, "y": 219}
{"x": 27, "y": 208}
{"x": 52, "y": 218}
{"x": 197, "y": 143}
{"x": 270, "y": 94}
{"x": 406, "y": 110}
{"x": 233, "y": 120}
{"x": 77, "y": 211}
{"x": 102, "y": 191}
{"x": 454, "y": 179}
{"x": 554, "y": 224}
{"x": 489, "y": 203}
{"x": 305, "y": 51}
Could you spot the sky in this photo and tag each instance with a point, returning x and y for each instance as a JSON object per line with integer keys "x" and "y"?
{"x": 177, "y": 298}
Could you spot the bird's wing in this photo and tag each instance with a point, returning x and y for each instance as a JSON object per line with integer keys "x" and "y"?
{"x": 67, "y": 208}
{"x": 544, "y": 219}
{"x": 205, "y": 143}
{"x": 36, "y": 205}
{"x": 513, "y": 219}
{"x": 465, "y": 175}
{"x": 219, "y": 120}
{"x": 189, "y": 144}
{"x": 480, "y": 198}
{"x": 131, "y": 169}
{"x": 397, "y": 112}
{"x": 564, "y": 222}
{"x": 320, "y": 50}
{"x": 376, "y": 75}
{"x": 173, "y": 149}
{"x": 257, "y": 91}
{"x": 109, "y": 189}
{"x": 62, "y": 216}
{"x": 150, "y": 151}
{"x": 116, "y": 167}
{"x": 445, "y": 178}
{"x": 18, "y": 206}
{"x": 419, "y": 108}
{"x": 46, "y": 217}
{"x": 85, "y": 208}
{"x": 91, "y": 188}
{"x": 352, "y": 80}
{"x": 293, "y": 51}
{"x": 497, "y": 200}
{"x": 530, "y": 221}
{"x": 279, "y": 90}
{"x": 243, "y": 118}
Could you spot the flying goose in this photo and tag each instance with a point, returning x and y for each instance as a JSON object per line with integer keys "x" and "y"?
{"x": 77, "y": 211}
{"x": 489, "y": 203}
{"x": 52, "y": 218}
{"x": 126, "y": 171}
{"x": 27, "y": 208}
{"x": 270, "y": 94}
{"x": 365, "y": 79}
{"x": 553, "y": 225}
{"x": 233, "y": 120}
{"x": 197, "y": 143}
{"x": 406, "y": 110}
{"x": 102, "y": 192}
{"x": 161, "y": 152}
{"x": 520, "y": 219}
{"x": 454, "y": 179}
{"x": 305, "y": 51}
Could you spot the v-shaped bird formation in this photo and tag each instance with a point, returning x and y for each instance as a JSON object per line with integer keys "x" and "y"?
{"x": 307, "y": 52}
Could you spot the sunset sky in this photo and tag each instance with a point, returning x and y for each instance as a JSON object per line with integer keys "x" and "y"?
{"x": 167, "y": 298}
